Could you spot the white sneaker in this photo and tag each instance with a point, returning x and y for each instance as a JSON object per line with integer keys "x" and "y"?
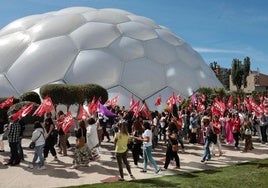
{"x": 30, "y": 166}
{"x": 158, "y": 172}
{"x": 42, "y": 168}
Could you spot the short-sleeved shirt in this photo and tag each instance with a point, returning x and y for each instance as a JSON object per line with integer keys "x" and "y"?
{"x": 121, "y": 144}
{"x": 147, "y": 133}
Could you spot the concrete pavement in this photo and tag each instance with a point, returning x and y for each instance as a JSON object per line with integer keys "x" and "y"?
{"x": 59, "y": 174}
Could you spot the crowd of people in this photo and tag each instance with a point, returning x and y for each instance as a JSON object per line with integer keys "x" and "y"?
{"x": 138, "y": 135}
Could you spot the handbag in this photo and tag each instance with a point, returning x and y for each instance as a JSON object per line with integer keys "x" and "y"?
{"x": 32, "y": 144}
{"x": 175, "y": 148}
{"x": 194, "y": 130}
{"x": 80, "y": 142}
{"x": 248, "y": 131}
{"x": 212, "y": 137}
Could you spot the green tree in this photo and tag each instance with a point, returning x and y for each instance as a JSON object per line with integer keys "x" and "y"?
{"x": 237, "y": 73}
{"x": 246, "y": 70}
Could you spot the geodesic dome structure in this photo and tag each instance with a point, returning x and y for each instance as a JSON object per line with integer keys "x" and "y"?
{"x": 125, "y": 53}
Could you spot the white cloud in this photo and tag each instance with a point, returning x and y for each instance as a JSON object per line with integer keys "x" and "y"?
{"x": 210, "y": 50}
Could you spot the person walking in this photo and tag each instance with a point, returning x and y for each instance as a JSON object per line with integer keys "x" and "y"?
{"x": 228, "y": 129}
{"x": 121, "y": 140}
{"x": 92, "y": 138}
{"x": 2, "y": 131}
{"x": 207, "y": 127}
{"x": 38, "y": 136}
{"x": 217, "y": 130}
{"x": 236, "y": 129}
{"x": 14, "y": 131}
{"x": 51, "y": 138}
{"x": 62, "y": 135}
{"x": 81, "y": 151}
{"x": 172, "y": 146}
{"x": 147, "y": 149}
{"x": 137, "y": 131}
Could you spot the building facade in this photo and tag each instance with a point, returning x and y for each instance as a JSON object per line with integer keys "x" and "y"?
{"x": 255, "y": 82}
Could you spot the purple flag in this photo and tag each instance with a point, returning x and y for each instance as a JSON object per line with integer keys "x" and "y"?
{"x": 193, "y": 99}
{"x": 105, "y": 111}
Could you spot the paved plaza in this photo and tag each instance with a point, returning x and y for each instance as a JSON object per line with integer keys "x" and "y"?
{"x": 59, "y": 174}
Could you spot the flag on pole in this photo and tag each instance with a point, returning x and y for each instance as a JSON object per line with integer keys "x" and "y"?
{"x": 203, "y": 97}
{"x": 67, "y": 122}
{"x": 158, "y": 101}
{"x": 171, "y": 101}
{"x": 230, "y": 103}
{"x": 135, "y": 106}
{"x": 113, "y": 101}
{"x": 179, "y": 98}
{"x": 105, "y": 111}
{"x": 200, "y": 106}
{"x": 82, "y": 114}
{"x": 45, "y": 107}
{"x": 145, "y": 110}
{"x": 7, "y": 103}
{"x": 24, "y": 111}
{"x": 132, "y": 101}
{"x": 93, "y": 106}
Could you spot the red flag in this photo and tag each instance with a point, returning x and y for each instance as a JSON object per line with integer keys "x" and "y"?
{"x": 179, "y": 98}
{"x": 45, "y": 107}
{"x": 82, "y": 113}
{"x": 67, "y": 122}
{"x": 255, "y": 107}
{"x": 93, "y": 106}
{"x": 238, "y": 102}
{"x": 265, "y": 101}
{"x": 135, "y": 106}
{"x": 132, "y": 102}
{"x": 218, "y": 107}
{"x": 171, "y": 100}
{"x": 25, "y": 110}
{"x": 113, "y": 101}
{"x": 200, "y": 106}
{"x": 7, "y": 103}
{"x": 230, "y": 102}
{"x": 158, "y": 101}
{"x": 247, "y": 104}
{"x": 203, "y": 97}
{"x": 261, "y": 98}
{"x": 145, "y": 110}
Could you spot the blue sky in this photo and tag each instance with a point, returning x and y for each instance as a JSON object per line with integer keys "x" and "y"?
{"x": 220, "y": 30}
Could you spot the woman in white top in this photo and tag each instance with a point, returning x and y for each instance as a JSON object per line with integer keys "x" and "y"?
{"x": 38, "y": 136}
{"x": 147, "y": 148}
{"x": 92, "y": 137}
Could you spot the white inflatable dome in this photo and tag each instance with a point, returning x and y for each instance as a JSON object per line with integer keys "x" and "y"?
{"x": 125, "y": 53}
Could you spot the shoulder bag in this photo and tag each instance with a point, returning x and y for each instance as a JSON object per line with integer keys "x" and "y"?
{"x": 32, "y": 144}
{"x": 80, "y": 142}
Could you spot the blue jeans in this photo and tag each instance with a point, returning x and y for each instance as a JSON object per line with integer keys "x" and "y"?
{"x": 147, "y": 154}
{"x": 38, "y": 152}
{"x": 207, "y": 154}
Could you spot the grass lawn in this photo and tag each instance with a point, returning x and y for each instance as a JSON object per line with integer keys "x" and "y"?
{"x": 253, "y": 174}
